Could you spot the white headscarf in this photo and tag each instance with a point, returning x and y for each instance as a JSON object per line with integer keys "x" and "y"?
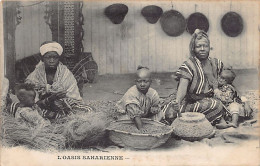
{"x": 53, "y": 46}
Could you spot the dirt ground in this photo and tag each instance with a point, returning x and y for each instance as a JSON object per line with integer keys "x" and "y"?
{"x": 229, "y": 147}
{"x": 112, "y": 87}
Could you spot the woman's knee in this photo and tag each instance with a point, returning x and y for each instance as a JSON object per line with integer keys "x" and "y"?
{"x": 219, "y": 105}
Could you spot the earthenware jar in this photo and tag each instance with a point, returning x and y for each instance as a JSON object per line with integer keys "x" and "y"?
{"x": 192, "y": 126}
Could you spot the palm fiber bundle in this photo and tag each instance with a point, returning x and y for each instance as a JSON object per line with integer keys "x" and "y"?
{"x": 38, "y": 137}
{"x": 89, "y": 129}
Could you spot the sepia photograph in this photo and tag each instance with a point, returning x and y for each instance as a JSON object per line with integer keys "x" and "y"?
{"x": 127, "y": 82}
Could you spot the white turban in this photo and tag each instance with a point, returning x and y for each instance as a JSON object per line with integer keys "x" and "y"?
{"x": 51, "y": 47}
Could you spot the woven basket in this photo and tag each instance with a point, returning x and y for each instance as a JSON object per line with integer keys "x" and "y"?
{"x": 192, "y": 126}
{"x": 136, "y": 140}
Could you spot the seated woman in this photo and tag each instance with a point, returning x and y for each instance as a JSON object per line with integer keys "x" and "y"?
{"x": 56, "y": 86}
{"x": 197, "y": 81}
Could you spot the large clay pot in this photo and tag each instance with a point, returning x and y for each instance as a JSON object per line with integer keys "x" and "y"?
{"x": 192, "y": 126}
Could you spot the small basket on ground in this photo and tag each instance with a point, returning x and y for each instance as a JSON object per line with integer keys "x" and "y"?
{"x": 125, "y": 134}
{"x": 192, "y": 126}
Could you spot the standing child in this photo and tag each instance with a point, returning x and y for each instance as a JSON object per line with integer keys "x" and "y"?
{"x": 141, "y": 101}
{"x": 26, "y": 109}
{"x": 235, "y": 106}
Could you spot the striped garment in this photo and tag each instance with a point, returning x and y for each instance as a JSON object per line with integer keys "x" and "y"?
{"x": 63, "y": 80}
{"x": 199, "y": 96}
{"x": 135, "y": 103}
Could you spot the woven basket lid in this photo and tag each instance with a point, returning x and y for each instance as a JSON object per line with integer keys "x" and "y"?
{"x": 232, "y": 24}
{"x": 116, "y": 12}
{"x": 152, "y": 13}
{"x": 197, "y": 21}
{"x": 173, "y": 23}
{"x": 192, "y": 117}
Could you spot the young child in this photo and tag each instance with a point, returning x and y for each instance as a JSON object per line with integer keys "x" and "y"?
{"x": 235, "y": 106}
{"x": 141, "y": 101}
{"x": 26, "y": 109}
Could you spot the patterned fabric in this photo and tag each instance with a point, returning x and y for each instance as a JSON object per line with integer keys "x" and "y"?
{"x": 193, "y": 71}
{"x": 13, "y": 108}
{"x": 210, "y": 107}
{"x": 200, "y": 88}
{"x": 63, "y": 80}
{"x": 231, "y": 100}
{"x": 228, "y": 94}
{"x": 29, "y": 115}
{"x": 136, "y": 103}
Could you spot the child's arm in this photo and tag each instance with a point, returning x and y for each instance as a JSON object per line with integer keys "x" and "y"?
{"x": 138, "y": 122}
{"x": 217, "y": 93}
{"x": 135, "y": 112}
{"x": 155, "y": 101}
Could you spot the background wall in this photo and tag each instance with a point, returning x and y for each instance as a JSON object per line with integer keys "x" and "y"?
{"x": 121, "y": 48}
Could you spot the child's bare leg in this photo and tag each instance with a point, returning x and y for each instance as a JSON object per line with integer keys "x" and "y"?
{"x": 234, "y": 109}
{"x": 222, "y": 124}
{"x": 234, "y": 122}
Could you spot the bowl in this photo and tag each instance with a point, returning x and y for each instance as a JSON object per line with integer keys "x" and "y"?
{"x": 192, "y": 126}
{"x": 133, "y": 138}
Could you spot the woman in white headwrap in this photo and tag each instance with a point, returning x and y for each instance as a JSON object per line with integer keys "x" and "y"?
{"x": 57, "y": 88}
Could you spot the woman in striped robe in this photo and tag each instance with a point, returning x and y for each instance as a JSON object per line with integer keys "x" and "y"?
{"x": 198, "y": 81}
{"x": 56, "y": 86}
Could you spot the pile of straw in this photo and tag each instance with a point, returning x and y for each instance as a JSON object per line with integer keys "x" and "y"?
{"x": 87, "y": 129}
{"x": 17, "y": 133}
{"x": 79, "y": 130}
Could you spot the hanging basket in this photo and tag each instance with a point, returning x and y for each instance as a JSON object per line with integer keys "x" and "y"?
{"x": 232, "y": 24}
{"x": 197, "y": 21}
{"x": 116, "y": 12}
{"x": 152, "y": 13}
{"x": 173, "y": 23}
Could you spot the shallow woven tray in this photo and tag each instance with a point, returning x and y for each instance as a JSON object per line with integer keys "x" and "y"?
{"x": 138, "y": 140}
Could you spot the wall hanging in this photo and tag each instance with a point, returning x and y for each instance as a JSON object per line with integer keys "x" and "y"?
{"x": 116, "y": 12}
{"x": 65, "y": 20}
{"x": 173, "y": 23}
{"x": 152, "y": 13}
{"x": 232, "y": 24}
{"x": 197, "y": 20}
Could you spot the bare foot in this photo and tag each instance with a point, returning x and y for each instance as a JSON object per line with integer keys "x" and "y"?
{"x": 232, "y": 125}
{"x": 223, "y": 125}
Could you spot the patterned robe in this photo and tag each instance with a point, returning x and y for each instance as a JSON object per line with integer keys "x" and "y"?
{"x": 135, "y": 103}
{"x": 63, "y": 80}
{"x": 199, "y": 96}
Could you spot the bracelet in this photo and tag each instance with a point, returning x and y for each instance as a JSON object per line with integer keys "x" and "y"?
{"x": 175, "y": 101}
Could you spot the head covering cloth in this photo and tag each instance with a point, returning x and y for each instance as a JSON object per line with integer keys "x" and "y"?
{"x": 197, "y": 35}
{"x": 51, "y": 46}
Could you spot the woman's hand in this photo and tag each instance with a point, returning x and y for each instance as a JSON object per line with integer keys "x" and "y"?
{"x": 217, "y": 93}
{"x": 176, "y": 107}
{"x": 248, "y": 110}
{"x": 58, "y": 95}
{"x": 154, "y": 110}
